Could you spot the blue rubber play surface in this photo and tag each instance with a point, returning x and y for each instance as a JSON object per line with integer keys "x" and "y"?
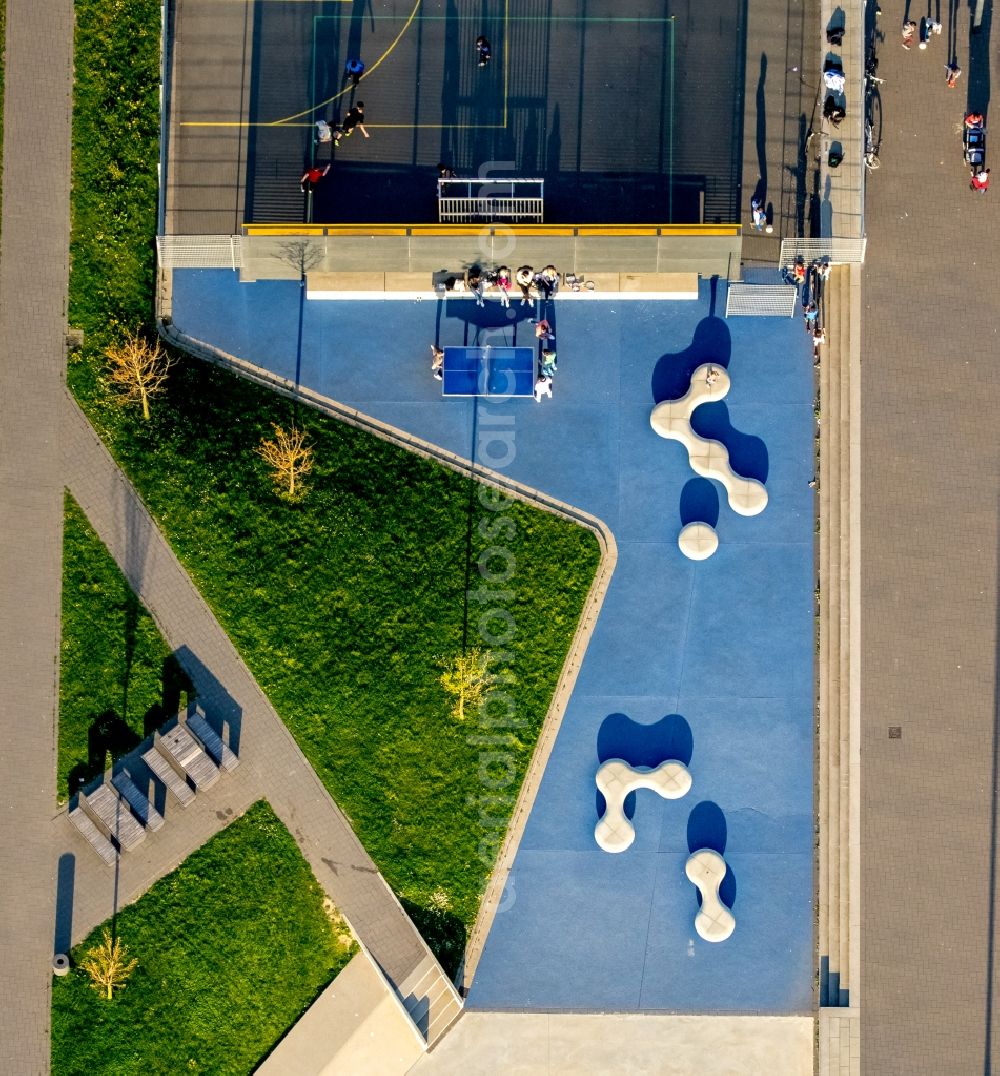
{"x": 710, "y": 663}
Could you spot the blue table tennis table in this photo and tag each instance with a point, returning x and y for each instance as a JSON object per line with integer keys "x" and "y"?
{"x": 488, "y": 371}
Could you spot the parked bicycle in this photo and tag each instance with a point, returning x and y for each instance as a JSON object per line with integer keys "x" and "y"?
{"x": 871, "y": 149}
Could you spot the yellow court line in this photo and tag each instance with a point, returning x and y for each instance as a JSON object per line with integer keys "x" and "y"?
{"x": 310, "y": 111}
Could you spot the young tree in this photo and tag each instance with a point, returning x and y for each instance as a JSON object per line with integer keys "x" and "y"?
{"x": 138, "y": 370}
{"x": 108, "y": 965}
{"x": 469, "y": 679}
{"x": 289, "y": 458}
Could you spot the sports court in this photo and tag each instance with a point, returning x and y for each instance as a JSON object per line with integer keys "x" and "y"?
{"x": 710, "y": 663}
{"x": 628, "y": 113}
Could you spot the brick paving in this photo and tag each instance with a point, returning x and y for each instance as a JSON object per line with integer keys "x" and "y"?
{"x": 272, "y": 764}
{"x": 33, "y": 286}
{"x": 930, "y": 987}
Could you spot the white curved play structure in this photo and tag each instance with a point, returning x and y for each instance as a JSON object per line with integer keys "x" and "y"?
{"x": 714, "y": 921}
{"x": 616, "y": 779}
{"x": 698, "y": 541}
{"x": 672, "y": 420}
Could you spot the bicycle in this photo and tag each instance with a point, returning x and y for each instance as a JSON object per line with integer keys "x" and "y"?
{"x": 871, "y": 150}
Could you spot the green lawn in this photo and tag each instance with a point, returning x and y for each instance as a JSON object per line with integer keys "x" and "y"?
{"x": 232, "y": 946}
{"x": 117, "y": 678}
{"x": 344, "y": 606}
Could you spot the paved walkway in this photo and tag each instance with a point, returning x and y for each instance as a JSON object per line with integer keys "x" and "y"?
{"x": 612, "y": 1044}
{"x": 33, "y": 283}
{"x": 930, "y": 492}
{"x": 272, "y": 764}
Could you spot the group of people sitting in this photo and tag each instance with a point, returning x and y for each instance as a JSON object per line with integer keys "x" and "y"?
{"x": 545, "y": 283}
{"x": 810, "y": 279}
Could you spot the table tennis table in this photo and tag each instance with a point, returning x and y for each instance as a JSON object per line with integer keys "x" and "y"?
{"x": 488, "y": 371}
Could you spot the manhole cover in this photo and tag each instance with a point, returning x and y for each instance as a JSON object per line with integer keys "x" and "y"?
{"x": 895, "y": 732}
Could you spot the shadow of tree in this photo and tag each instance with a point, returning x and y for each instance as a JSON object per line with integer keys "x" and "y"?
{"x": 443, "y": 931}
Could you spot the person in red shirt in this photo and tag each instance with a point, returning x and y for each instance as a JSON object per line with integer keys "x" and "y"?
{"x": 980, "y": 180}
{"x": 311, "y": 177}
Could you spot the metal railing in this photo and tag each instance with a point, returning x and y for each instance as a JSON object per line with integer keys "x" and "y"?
{"x": 761, "y": 300}
{"x": 471, "y": 210}
{"x": 200, "y": 251}
{"x": 463, "y": 201}
{"x": 834, "y": 251}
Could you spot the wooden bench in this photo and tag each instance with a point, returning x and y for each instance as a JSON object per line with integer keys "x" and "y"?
{"x": 219, "y": 752}
{"x": 166, "y": 773}
{"x": 95, "y": 838}
{"x": 141, "y": 804}
{"x": 111, "y": 814}
{"x": 180, "y": 746}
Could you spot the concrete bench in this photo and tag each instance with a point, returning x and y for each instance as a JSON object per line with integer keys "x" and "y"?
{"x": 95, "y": 838}
{"x": 714, "y": 921}
{"x": 218, "y": 751}
{"x": 710, "y": 459}
{"x": 111, "y": 814}
{"x": 180, "y": 746}
{"x": 616, "y": 779}
{"x": 141, "y": 804}
{"x": 166, "y": 773}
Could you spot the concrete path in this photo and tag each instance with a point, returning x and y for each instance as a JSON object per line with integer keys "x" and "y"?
{"x": 611, "y": 1044}
{"x": 930, "y": 487}
{"x": 272, "y": 765}
{"x": 33, "y": 284}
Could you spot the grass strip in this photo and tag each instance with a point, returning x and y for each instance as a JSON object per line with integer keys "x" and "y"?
{"x": 233, "y": 946}
{"x": 117, "y": 680}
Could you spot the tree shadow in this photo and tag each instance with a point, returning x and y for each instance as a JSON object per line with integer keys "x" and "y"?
{"x": 707, "y": 828}
{"x": 443, "y": 931}
{"x": 699, "y": 502}
{"x": 642, "y": 745}
{"x": 107, "y": 735}
{"x": 672, "y": 373}
{"x": 747, "y": 453}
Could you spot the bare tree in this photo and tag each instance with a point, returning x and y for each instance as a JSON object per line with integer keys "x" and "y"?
{"x": 108, "y": 965}
{"x": 289, "y": 458}
{"x": 138, "y": 370}
{"x": 302, "y": 255}
{"x": 468, "y": 677}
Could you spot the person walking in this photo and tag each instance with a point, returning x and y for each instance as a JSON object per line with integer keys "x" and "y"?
{"x": 952, "y": 71}
{"x": 543, "y": 331}
{"x": 543, "y": 387}
{"x": 354, "y": 69}
{"x": 980, "y": 181}
{"x": 819, "y": 339}
{"x": 327, "y": 133}
{"x": 356, "y": 118}
{"x": 483, "y": 51}
{"x": 437, "y": 361}
{"x": 311, "y": 177}
{"x": 909, "y": 29}
{"x": 549, "y": 362}
{"x": 758, "y": 214}
{"x": 524, "y": 277}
